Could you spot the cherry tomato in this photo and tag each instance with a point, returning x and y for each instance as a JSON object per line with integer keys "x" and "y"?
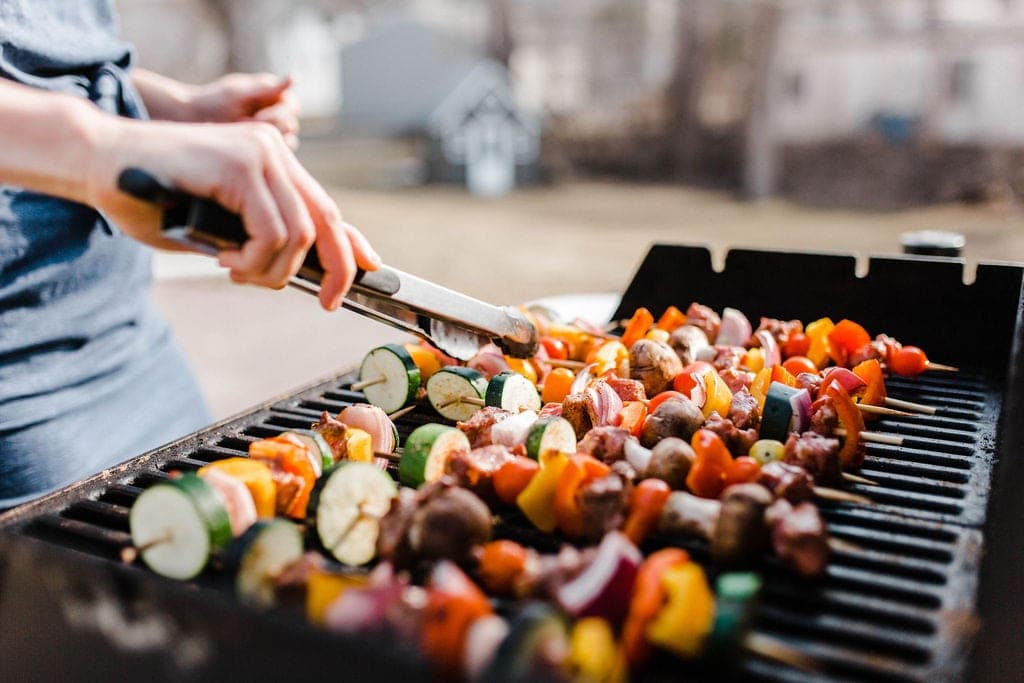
{"x": 797, "y": 364}
{"x": 653, "y": 404}
{"x": 556, "y": 348}
{"x": 512, "y": 477}
{"x": 908, "y": 361}
{"x": 797, "y": 345}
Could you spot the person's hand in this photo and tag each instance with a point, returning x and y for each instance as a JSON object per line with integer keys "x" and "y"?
{"x": 249, "y": 169}
{"x": 248, "y": 97}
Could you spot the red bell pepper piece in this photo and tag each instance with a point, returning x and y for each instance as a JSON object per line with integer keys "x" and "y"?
{"x": 645, "y": 506}
{"x": 743, "y": 470}
{"x": 671, "y": 319}
{"x": 648, "y": 598}
{"x": 871, "y": 372}
{"x": 691, "y": 376}
{"x": 632, "y": 417}
{"x": 710, "y": 468}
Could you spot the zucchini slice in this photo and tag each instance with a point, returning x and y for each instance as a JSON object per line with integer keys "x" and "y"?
{"x": 427, "y": 451}
{"x": 448, "y": 385}
{"x": 175, "y": 524}
{"x": 551, "y": 434}
{"x": 346, "y": 508}
{"x": 513, "y": 392}
{"x": 390, "y": 376}
{"x": 317, "y": 446}
{"x": 260, "y": 555}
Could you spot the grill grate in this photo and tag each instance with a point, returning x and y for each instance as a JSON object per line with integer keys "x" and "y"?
{"x": 880, "y": 613}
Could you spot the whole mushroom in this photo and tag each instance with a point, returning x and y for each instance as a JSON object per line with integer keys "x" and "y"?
{"x": 670, "y": 461}
{"x": 679, "y": 417}
{"x": 654, "y": 364}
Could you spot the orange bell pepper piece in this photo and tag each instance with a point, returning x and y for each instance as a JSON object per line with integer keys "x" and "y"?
{"x": 671, "y": 319}
{"x": 871, "y": 372}
{"x": 782, "y": 376}
{"x": 710, "y": 469}
{"x": 850, "y": 419}
{"x": 453, "y": 604}
{"x": 632, "y": 416}
{"x": 645, "y": 506}
{"x": 500, "y": 563}
{"x": 637, "y": 326}
{"x": 580, "y": 470}
{"x": 743, "y": 470}
{"x": 845, "y": 338}
{"x": 759, "y": 387}
{"x": 289, "y": 455}
{"x": 691, "y": 375}
{"x": 648, "y": 598}
{"x": 512, "y": 477}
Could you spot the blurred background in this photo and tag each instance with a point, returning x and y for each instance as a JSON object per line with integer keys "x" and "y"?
{"x": 516, "y": 149}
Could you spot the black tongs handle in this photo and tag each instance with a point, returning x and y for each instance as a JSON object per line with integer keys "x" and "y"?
{"x": 206, "y": 221}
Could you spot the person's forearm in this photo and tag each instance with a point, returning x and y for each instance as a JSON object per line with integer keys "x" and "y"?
{"x": 48, "y": 140}
{"x": 165, "y": 98}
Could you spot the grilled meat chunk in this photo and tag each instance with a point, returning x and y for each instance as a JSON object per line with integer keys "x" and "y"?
{"x": 817, "y": 454}
{"x": 333, "y": 432}
{"x": 627, "y": 389}
{"x": 780, "y": 329}
{"x": 705, "y": 319}
{"x": 738, "y": 441}
{"x": 810, "y": 382}
{"x": 744, "y": 412}
{"x": 603, "y": 502}
{"x": 475, "y": 469}
{"x": 574, "y": 409}
{"x": 740, "y": 532}
{"x": 607, "y": 444}
{"x": 824, "y": 418}
{"x": 787, "y": 481}
{"x": 685, "y": 514}
{"x": 478, "y": 428}
{"x": 737, "y": 380}
{"x": 799, "y": 537}
{"x": 728, "y": 357}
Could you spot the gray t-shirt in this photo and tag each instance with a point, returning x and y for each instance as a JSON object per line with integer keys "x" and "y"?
{"x": 78, "y": 331}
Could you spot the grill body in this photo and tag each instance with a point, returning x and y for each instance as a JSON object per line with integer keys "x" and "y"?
{"x": 902, "y": 603}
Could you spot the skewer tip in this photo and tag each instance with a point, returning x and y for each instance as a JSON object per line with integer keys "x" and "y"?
{"x": 941, "y": 367}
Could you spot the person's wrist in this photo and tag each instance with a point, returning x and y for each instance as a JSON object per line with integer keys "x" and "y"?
{"x": 100, "y": 135}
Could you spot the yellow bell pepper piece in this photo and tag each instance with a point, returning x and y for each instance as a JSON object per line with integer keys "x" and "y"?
{"x": 523, "y": 367}
{"x": 612, "y": 355}
{"x": 759, "y": 387}
{"x": 323, "y": 588}
{"x": 257, "y": 478}
{"x": 817, "y": 333}
{"x": 657, "y": 335}
{"x": 685, "y": 621}
{"x": 753, "y": 360}
{"x": 537, "y": 500}
{"x": 719, "y": 398}
{"x": 576, "y": 339}
{"x": 358, "y": 445}
{"x": 593, "y": 653}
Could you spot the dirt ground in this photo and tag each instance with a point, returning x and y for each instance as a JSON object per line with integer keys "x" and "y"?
{"x": 248, "y": 345}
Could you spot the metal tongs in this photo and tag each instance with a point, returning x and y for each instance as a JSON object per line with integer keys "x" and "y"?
{"x": 455, "y": 323}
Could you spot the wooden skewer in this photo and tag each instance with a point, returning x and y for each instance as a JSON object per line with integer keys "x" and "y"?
{"x": 909, "y": 405}
{"x": 857, "y": 479}
{"x": 840, "y": 496}
{"x": 571, "y": 364}
{"x": 940, "y": 366}
{"x": 392, "y": 457}
{"x": 471, "y": 400}
{"x": 775, "y": 649}
{"x": 129, "y": 553}
{"x": 875, "y": 437}
{"x": 841, "y": 546}
{"x": 359, "y": 386}
{"x": 401, "y": 412}
{"x": 879, "y": 410}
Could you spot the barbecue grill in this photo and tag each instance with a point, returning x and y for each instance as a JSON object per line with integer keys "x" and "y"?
{"x": 927, "y": 588}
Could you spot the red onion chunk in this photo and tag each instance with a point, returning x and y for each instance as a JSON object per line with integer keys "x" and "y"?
{"x": 583, "y": 378}
{"x": 770, "y": 347}
{"x": 489, "y": 360}
{"x": 374, "y": 421}
{"x": 800, "y": 401}
{"x": 846, "y": 379}
{"x": 603, "y": 404}
{"x": 735, "y": 329}
{"x": 636, "y": 455}
{"x": 604, "y": 588}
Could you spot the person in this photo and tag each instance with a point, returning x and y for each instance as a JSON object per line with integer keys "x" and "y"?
{"x": 89, "y": 373}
